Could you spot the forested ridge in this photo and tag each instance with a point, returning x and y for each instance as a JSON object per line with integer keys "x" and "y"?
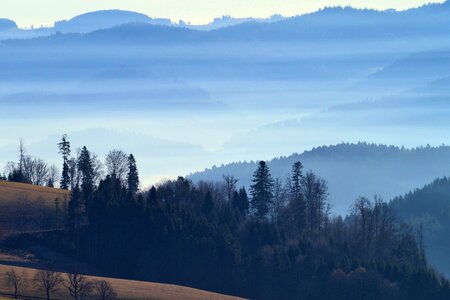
{"x": 352, "y": 169}
{"x": 277, "y": 240}
{"x": 428, "y": 208}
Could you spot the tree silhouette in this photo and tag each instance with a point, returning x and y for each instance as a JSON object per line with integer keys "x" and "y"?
{"x": 132, "y": 176}
{"x": 64, "y": 150}
{"x": 261, "y": 190}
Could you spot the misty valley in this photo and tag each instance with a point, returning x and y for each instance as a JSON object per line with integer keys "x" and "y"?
{"x": 302, "y": 157}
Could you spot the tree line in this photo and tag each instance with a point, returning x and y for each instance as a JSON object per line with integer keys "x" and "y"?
{"x": 278, "y": 240}
{"x": 50, "y": 283}
{"x": 34, "y": 170}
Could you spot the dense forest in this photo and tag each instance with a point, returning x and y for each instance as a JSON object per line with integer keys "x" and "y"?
{"x": 277, "y": 240}
{"x": 428, "y": 209}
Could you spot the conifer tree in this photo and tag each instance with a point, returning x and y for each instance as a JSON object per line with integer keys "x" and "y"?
{"x": 132, "y": 176}
{"x": 152, "y": 196}
{"x": 86, "y": 168}
{"x": 240, "y": 201}
{"x": 297, "y": 201}
{"x": 64, "y": 150}
{"x": 261, "y": 190}
{"x": 87, "y": 171}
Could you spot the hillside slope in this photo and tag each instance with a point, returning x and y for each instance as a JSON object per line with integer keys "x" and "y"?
{"x": 126, "y": 289}
{"x": 26, "y": 207}
{"x": 429, "y": 206}
{"x": 352, "y": 170}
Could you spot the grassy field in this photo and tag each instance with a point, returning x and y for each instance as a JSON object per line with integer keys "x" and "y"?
{"x": 11, "y": 190}
{"x": 26, "y": 207}
{"x": 125, "y": 289}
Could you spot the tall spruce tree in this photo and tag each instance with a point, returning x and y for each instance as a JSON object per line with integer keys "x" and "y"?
{"x": 64, "y": 150}
{"x": 86, "y": 168}
{"x": 297, "y": 200}
{"x": 132, "y": 176}
{"x": 261, "y": 190}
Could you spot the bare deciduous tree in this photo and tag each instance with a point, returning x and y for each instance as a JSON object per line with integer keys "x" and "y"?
{"x": 39, "y": 172}
{"x": 315, "y": 192}
{"x": 48, "y": 282}
{"x": 77, "y": 285}
{"x": 27, "y": 167}
{"x": 15, "y": 281}
{"x": 22, "y": 152}
{"x": 230, "y": 186}
{"x": 117, "y": 164}
{"x": 10, "y": 167}
{"x": 74, "y": 175}
{"x": 279, "y": 200}
{"x": 362, "y": 214}
{"x": 104, "y": 290}
{"x": 53, "y": 176}
{"x": 97, "y": 165}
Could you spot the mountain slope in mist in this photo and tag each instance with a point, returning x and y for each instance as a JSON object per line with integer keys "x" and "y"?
{"x": 352, "y": 170}
{"x": 429, "y": 207}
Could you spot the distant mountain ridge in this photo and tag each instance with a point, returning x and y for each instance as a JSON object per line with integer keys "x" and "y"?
{"x": 104, "y": 19}
{"x": 330, "y": 23}
{"x": 369, "y": 22}
{"x": 352, "y": 170}
{"x": 6, "y": 24}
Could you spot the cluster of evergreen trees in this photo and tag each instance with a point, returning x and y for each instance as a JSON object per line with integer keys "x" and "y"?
{"x": 278, "y": 241}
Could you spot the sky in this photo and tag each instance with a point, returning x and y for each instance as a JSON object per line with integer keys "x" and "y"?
{"x": 44, "y": 12}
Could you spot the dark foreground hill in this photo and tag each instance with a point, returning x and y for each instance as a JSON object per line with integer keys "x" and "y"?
{"x": 352, "y": 170}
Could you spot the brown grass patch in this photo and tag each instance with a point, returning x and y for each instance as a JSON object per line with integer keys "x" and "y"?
{"x": 126, "y": 289}
{"x": 26, "y": 207}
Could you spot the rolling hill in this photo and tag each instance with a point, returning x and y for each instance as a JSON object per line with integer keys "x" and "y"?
{"x": 25, "y": 207}
{"x": 28, "y": 208}
{"x": 125, "y": 289}
{"x": 104, "y": 19}
{"x": 6, "y": 24}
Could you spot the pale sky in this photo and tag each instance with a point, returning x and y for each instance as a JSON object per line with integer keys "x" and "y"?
{"x": 45, "y": 12}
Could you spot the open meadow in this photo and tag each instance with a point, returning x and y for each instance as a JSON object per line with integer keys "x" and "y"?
{"x": 26, "y": 207}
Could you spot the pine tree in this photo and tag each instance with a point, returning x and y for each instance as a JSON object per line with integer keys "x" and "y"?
{"x": 86, "y": 169}
{"x": 64, "y": 150}
{"x": 152, "y": 196}
{"x": 261, "y": 190}
{"x": 297, "y": 201}
{"x": 132, "y": 176}
{"x": 240, "y": 201}
{"x": 65, "y": 177}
